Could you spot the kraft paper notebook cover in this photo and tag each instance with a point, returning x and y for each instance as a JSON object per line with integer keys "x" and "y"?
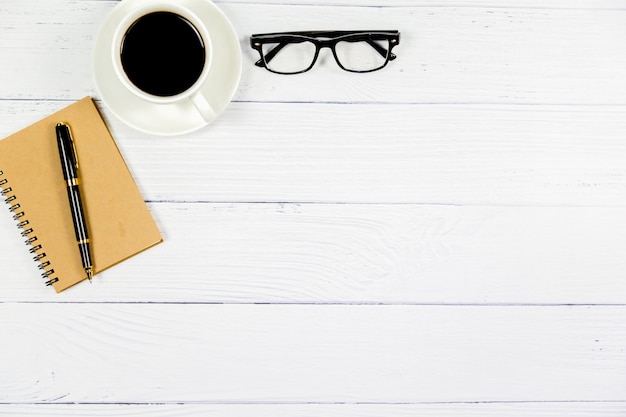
{"x": 31, "y": 180}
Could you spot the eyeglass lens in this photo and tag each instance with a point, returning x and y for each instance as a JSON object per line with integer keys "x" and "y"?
{"x": 289, "y": 58}
{"x": 362, "y": 56}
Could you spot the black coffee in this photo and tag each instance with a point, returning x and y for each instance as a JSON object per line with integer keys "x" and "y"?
{"x": 163, "y": 54}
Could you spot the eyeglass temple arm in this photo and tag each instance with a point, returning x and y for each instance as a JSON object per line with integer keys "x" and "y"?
{"x": 271, "y": 54}
{"x": 381, "y": 50}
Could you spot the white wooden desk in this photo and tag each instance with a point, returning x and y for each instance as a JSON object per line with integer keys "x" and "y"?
{"x": 444, "y": 237}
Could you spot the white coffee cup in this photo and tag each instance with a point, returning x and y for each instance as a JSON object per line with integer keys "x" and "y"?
{"x": 192, "y": 93}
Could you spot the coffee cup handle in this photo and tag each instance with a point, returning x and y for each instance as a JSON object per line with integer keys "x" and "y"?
{"x": 203, "y": 107}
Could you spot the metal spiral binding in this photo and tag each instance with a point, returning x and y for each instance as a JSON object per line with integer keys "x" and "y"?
{"x": 22, "y": 222}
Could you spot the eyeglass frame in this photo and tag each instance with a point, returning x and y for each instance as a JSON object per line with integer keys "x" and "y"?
{"x": 334, "y": 37}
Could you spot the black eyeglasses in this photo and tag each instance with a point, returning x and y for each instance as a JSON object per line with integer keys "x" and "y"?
{"x": 296, "y": 52}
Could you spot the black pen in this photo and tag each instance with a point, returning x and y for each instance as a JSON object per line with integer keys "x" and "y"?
{"x": 69, "y": 164}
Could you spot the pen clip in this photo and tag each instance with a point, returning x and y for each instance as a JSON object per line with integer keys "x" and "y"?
{"x": 71, "y": 140}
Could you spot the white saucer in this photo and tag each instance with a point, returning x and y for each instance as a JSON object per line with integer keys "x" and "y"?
{"x": 176, "y": 118}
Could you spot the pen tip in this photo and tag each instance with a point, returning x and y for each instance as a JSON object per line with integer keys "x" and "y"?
{"x": 89, "y": 273}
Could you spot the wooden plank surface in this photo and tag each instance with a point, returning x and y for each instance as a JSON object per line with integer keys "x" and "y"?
{"x": 550, "y": 56}
{"x": 129, "y": 353}
{"x": 518, "y": 4}
{"x": 444, "y": 237}
{"x": 328, "y": 253}
{"x": 543, "y": 409}
{"x": 470, "y": 155}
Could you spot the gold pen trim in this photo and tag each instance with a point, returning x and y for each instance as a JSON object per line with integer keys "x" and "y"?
{"x": 72, "y": 182}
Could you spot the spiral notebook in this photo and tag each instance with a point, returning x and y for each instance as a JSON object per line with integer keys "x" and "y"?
{"x": 31, "y": 182}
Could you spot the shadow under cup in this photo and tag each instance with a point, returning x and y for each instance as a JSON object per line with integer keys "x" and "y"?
{"x": 163, "y": 54}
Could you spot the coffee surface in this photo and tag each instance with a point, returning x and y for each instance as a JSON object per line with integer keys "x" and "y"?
{"x": 163, "y": 54}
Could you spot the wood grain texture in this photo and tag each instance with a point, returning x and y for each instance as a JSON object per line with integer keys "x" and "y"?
{"x": 380, "y": 354}
{"x": 543, "y": 409}
{"x": 294, "y": 253}
{"x": 447, "y": 54}
{"x": 476, "y": 155}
